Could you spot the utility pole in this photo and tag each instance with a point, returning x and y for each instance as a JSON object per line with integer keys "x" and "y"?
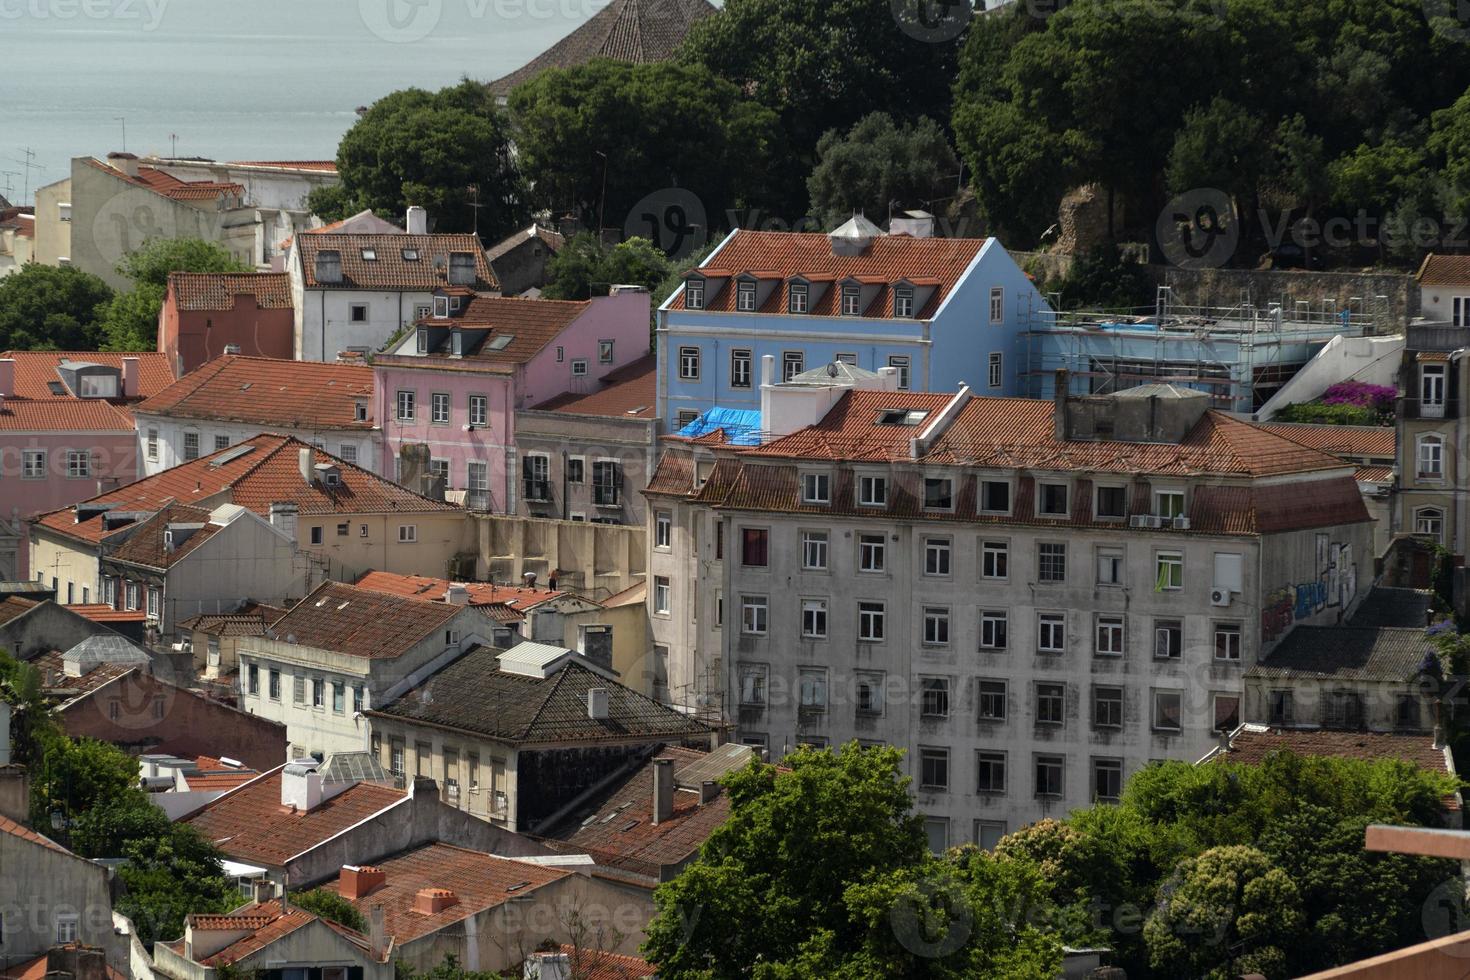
{"x": 29, "y": 155}
{"x": 124, "y": 121}
{"x": 602, "y": 198}
{"x": 475, "y": 204}
{"x": 173, "y": 145}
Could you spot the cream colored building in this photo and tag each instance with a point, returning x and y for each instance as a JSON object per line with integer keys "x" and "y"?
{"x": 53, "y": 223}
{"x": 1431, "y": 494}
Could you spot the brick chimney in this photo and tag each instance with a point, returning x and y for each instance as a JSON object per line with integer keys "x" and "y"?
{"x": 358, "y": 881}
{"x": 431, "y": 901}
{"x": 130, "y": 377}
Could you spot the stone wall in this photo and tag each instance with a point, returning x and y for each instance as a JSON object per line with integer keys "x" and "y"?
{"x": 1230, "y": 287}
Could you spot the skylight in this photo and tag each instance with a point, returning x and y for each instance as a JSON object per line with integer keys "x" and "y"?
{"x": 370, "y": 255}
{"x": 901, "y": 416}
{"x": 501, "y": 341}
{"x": 410, "y": 255}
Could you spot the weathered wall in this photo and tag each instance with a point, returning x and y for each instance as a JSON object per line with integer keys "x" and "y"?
{"x": 45, "y": 628}
{"x": 1230, "y": 287}
{"x": 596, "y": 560}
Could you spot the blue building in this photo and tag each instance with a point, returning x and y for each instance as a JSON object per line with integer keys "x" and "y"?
{"x": 941, "y": 310}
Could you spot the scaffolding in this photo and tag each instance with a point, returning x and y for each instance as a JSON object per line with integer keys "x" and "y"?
{"x": 1238, "y": 355}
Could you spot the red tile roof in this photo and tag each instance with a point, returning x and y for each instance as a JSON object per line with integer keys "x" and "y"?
{"x": 530, "y": 324}
{"x": 215, "y": 775}
{"x": 15, "y": 606}
{"x": 480, "y": 881}
{"x": 1252, "y": 744}
{"x": 596, "y": 964}
{"x": 34, "y": 406}
{"x": 890, "y": 258}
{"x": 1444, "y": 270}
{"x": 1374, "y": 474}
{"x": 64, "y": 414}
{"x": 217, "y": 290}
{"x": 390, "y": 270}
{"x": 171, "y": 187}
{"x": 249, "y": 823}
{"x": 36, "y": 970}
{"x": 35, "y": 369}
{"x": 1356, "y": 441}
{"x": 101, "y": 612}
{"x": 251, "y": 619}
{"x": 145, "y": 544}
{"x": 329, "y": 166}
{"x": 363, "y": 622}
{"x": 269, "y": 472}
{"x": 266, "y": 922}
{"x": 52, "y": 668}
{"x": 270, "y": 392}
{"x": 8, "y": 826}
{"x": 480, "y": 593}
{"x": 627, "y": 393}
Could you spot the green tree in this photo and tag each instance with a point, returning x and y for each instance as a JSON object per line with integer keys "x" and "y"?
{"x": 878, "y": 163}
{"x": 330, "y": 905}
{"x": 75, "y": 775}
{"x": 130, "y": 321}
{"x": 585, "y": 268}
{"x": 429, "y": 149}
{"x": 31, "y": 725}
{"x": 1102, "y": 278}
{"x": 48, "y": 308}
{"x": 1219, "y": 145}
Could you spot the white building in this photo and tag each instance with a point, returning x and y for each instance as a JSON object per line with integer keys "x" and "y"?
{"x": 1034, "y": 599}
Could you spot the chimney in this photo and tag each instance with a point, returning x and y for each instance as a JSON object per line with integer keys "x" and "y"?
{"x": 4, "y": 733}
{"x": 7, "y": 377}
{"x": 232, "y": 348}
{"x": 1059, "y": 403}
{"x": 328, "y": 266}
{"x": 548, "y": 966}
{"x": 457, "y": 595}
{"x": 708, "y": 790}
{"x": 768, "y": 369}
{"x": 264, "y": 890}
{"x": 417, "y": 220}
{"x": 597, "y": 703}
{"x": 303, "y": 459}
{"x": 377, "y": 932}
{"x": 283, "y": 517}
{"x": 301, "y": 786}
{"x": 125, "y": 162}
{"x": 358, "y": 881}
{"x": 425, "y": 787}
{"x": 130, "y": 377}
{"x": 663, "y": 790}
{"x": 431, "y": 901}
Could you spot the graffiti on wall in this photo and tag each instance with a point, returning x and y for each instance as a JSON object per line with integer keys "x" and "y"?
{"x": 1335, "y": 585}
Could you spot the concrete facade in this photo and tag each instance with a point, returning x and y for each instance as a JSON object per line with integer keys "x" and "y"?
{"x": 1431, "y": 499}
{"x": 571, "y": 444}
{"x": 350, "y": 445}
{"x": 49, "y": 896}
{"x": 53, "y": 223}
{"x": 595, "y": 560}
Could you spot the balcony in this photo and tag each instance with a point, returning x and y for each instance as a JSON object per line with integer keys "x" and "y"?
{"x": 1431, "y": 409}
{"x": 607, "y": 495}
{"x": 536, "y": 490}
{"x": 478, "y": 500}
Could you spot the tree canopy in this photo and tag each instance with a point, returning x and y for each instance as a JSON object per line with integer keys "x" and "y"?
{"x": 878, "y": 163}
{"x": 584, "y": 268}
{"x": 130, "y": 321}
{"x": 43, "y": 307}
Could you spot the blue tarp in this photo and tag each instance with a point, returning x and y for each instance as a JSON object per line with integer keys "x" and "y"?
{"x": 742, "y": 425}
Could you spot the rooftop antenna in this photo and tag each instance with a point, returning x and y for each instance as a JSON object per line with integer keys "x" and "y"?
{"x": 124, "y": 121}
{"x": 29, "y": 155}
{"x": 475, "y": 204}
{"x": 173, "y": 145}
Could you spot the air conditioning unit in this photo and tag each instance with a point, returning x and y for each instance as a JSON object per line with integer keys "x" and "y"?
{"x": 1181, "y": 523}
{"x": 1219, "y": 597}
{"x": 1145, "y": 520}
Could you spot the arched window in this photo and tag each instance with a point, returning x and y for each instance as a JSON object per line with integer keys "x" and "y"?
{"x": 1430, "y": 455}
{"x": 1429, "y": 521}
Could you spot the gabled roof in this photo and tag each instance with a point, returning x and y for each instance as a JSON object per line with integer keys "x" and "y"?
{"x": 473, "y": 694}
{"x": 628, "y": 392}
{"x": 1385, "y": 654}
{"x": 41, "y": 402}
{"x": 52, "y": 668}
{"x": 598, "y": 964}
{"x": 1444, "y": 270}
{"x": 217, "y": 290}
{"x": 553, "y": 240}
{"x": 362, "y": 622}
{"x": 249, "y": 823}
{"x": 266, "y": 923}
{"x": 37, "y": 969}
{"x": 390, "y": 270}
{"x": 1251, "y": 744}
{"x": 8, "y": 826}
{"x": 530, "y": 324}
{"x": 887, "y": 260}
{"x": 1352, "y": 441}
{"x": 268, "y": 391}
{"x": 35, "y": 371}
{"x": 1385, "y": 606}
{"x": 166, "y": 185}
{"x": 214, "y": 776}
{"x": 480, "y": 593}
{"x": 640, "y": 31}
{"x": 148, "y": 542}
{"x": 262, "y": 470}
{"x": 251, "y": 619}
{"x": 14, "y": 606}
{"x": 325, "y": 166}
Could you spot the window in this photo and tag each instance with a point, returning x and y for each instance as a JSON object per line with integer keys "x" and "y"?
{"x": 1107, "y": 707}
{"x": 1406, "y": 712}
{"x": 153, "y": 601}
{"x": 753, "y": 611}
{"x": 993, "y": 630}
{"x": 903, "y": 302}
{"x": 871, "y": 549}
{"x": 348, "y": 452}
{"x": 1168, "y": 708}
{"x": 439, "y": 408}
{"x": 995, "y": 497}
{"x": 740, "y": 368}
{"x": 753, "y": 547}
{"x": 477, "y": 478}
{"x": 221, "y": 442}
{"x": 395, "y": 756}
{"x": 936, "y": 831}
{"x": 936, "y": 626}
{"x": 339, "y": 697}
{"x": 316, "y": 534}
{"x": 997, "y": 369}
{"x": 407, "y": 533}
{"x": 1431, "y": 456}
{"x": 997, "y": 304}
{"x": 359, "y": 698}
{"x": 1169, "y": 504}
{"x": 688, "y": 363}
{"x": 869, "y": 693}
{"x": 1227, "y": 712}
{"x": 358, "y": 313}
{"x": 607, "y": 483}
{"x": 661, "y": 591}
{"x": 1227, "y": 642}
{"x": 992, "y": 700}
{"x": 1344, "y": 710}
{"x": 405, "y": 406}
{"x": 933, "y": 768}
{"x": 1050, "y": 701}
{"x": 1112, "y": 503}
{"x": 1168, "y": 639}
{"x": 796, "y": 298}
{"x": 814, "y": 550}
{"x": 901, "y": 362}
{"x": 816, "y": 488}
{"x": 318, "y": 692}
{"x": 1280, "y": 708}
{"x": 1051, "y": 562}
{"x": 938, "y": 493}
{"x": 152, "y": 443}
{"x": 719, "y": 609}
{"x": 479, "y": 410}
{"x": 78, "y": 463}
{"x": 990, "y": 772}
{"x": 472, "y": 771}
{"x": 811, "y": 688}
{"x": 252, "y": 677}
{"x": 745, "y": 297}
{"x": 753, "y": 684}
{"x": 561, "y": 354}
{"x": 579, "y": 367}
{"x": 1051, "y": 632}
{"x": 994, "y": 559}
{"x": 871, "y": 621}
{"x": 814, "y": 618}
{"x": 873, "y": 491}
{"x": 988, "y": 833}
{"x": 1432, "y": 376}
{"x": 793, "y": 362}
{"x": 1109, "y": 636}
{"x": 191, "y": 445}
{"x": 575, "y": 469}
{"x": 1110, "y": 566}
{"x": 1107, "y": 779}
{"x": 33, "y": 464}
{"x": 66, "y": 929}
{"x": 536, "y": 477}
{"x": 604, "y": 352}
{"x": 719, "y": 539}
{"x": 441, "y": 309}
{"x": 936, "y": 556}
{"x": 663, "y": 529}
{"x": 132, "y": 592}
{"x": 1168, "y": 571}
{"x": 934, "y": 697}
{"x": 1049, "y": 775}
{"x": 851, "y": 300}
{"x": 694, "y": 295}
{"x": 1054, "y": 499}
{"x": 274, "y": 688}
{"x": 298, "y": 690}
{"x": 1429, "y": 521}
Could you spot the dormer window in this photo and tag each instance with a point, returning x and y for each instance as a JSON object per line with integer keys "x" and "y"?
{"x": 745, "y": 297}
{"x": 903, "y": 302}
{"x": 901, "y": 416}
{"x": 796, "y": 301}
{"x": 454, "y": 304}
{"x": 816, "y": 488}
{"x": 852, "y": 297}
{"x": 370, "y": 255}
{"x": 360, "y": 412}
{"x": 410, "y": 255}
{"x": 694, "y": 294}
{"x": 441, "y": 306}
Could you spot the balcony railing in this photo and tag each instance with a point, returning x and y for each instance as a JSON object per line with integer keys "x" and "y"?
{"x": 1431, "y": 409}
{"x": 537, "y": 489}
{"x": 478, "y": 500}
{"x": 607, "y": 495}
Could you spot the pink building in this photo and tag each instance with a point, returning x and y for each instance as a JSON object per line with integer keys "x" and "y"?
{"x": 208, "y": 314}
{"x": 455, "y": 382}
{"x": 66, "y": 434}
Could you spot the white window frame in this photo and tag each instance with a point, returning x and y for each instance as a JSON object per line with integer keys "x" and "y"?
{"x": 997, "y": 304}
{"x": 478, "y": 409}
{"x": 579, "y": 367}
{"x": 152, "y": 442}
{"x": 1233, "y": 635}
{"x": 872, "y": 621}
{"x": 405, "y": 405}
{"x": 814, "y": 618}
{"x": 872, "y": 552}
{"x": 1169, "y": 570}
{"x": 1045, "y": 561}
{"x": 797, "y": 296}
{"x": 938, "y": 557}
{"x": 995, "y": 369}
{"x": 1110, "y": 635}
{"x": 755, "y": 615}
{"x": 1429, "y": 456}
{"x": 694, "y": 294}
{"x": 439, "y": 408}
{"x": 33, "y": 464}
{"x": 816, "y": 488}
{"x": 936, "y": 626}
{"x": 872, "y": 491}
{"x": 78, "y": 464}
{"x": 745, "y": 297}
{"x": 689, "y": 358}
{"x": 1156, "y": 716}
{"x": 815, "y": 547}
{"x": 1429, "y": 521}
{"x": 1051, "y": 632}
{"x": 408, "y": 533}
{"x": 995, "y": 629}
{"x": 1111, "y": 565}
{"x": 904, "y": 363}
{"x": 662, "y": 595}
{"x": 903, "y": 302}
{"x": 663, "y": 530}
{"x": 995, "y": 560}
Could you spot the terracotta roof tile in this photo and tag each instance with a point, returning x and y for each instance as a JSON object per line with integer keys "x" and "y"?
{"x": 146, "y": 544}
{"x": 1355, "y": 441}
{"x": 1444, "y": 270}
{"x": 597, "y": 964}
{"x": 36, "y": 970}
{"x": 214, "y": 775}
{"x": 627, "y": 393}
{"x": 1374, "y": 474}
{"x": 52, "y": 668}
{"x": 249, "y": 823}
{"x": 1251, "y": 745}
{"x": 35, "y": 370}
{"x": 15, "y": 606}
{"x": 101, "y": 612}
{"x": 266, "y": 922}
{"x": 8, "y": 826}
{"x": 530, "y": 324}
{"x": 1367, "y": 653}
{"x": 171, "y": 187}
{"x": 270, "y": 392}
{"x": 390, "y": 270}
{"x": 217, "y": 290}
{"x": 362, "y": 622}
{"x": 429, "y": 588}
{"x": 553, "y": 240}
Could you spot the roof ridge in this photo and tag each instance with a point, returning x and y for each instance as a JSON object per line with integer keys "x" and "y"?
{"x": 551, "y": 689}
